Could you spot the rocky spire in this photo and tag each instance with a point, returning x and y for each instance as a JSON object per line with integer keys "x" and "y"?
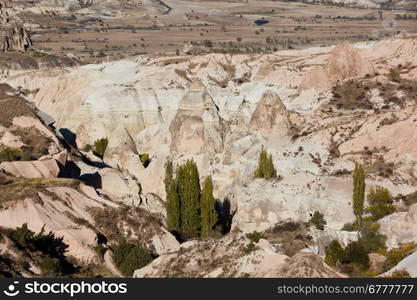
{"x": 15, "y": 39}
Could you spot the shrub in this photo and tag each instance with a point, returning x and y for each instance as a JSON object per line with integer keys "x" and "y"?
{"x": 144, "y": 158}
{"x": 394, "y": 256}
{"x": 380, "y": 203}
{"x": 136, "y": 259}
{"x": 22, "y": 236}
{"x": 350, "y": 227}
{"x": 208, "y": 43}
{"x": 334, "y": 253}
{"x": 129, "y": 257}
{"x": 254, "y": 236}
{"x": 100, "y": 147}
{"x": 10, "y": 154}
{"x": 355, "y": 254}
{"x": 395, "y": 75}
{"x": 50, "y": 266}
{"x": 401, "y": 273}
{"x": 266, "y": 168}
{"x": 318, "y": 220}
{"x": 48, "y": 244}
{"x": 249, "y": 248}
{"x": 371, "y": 239}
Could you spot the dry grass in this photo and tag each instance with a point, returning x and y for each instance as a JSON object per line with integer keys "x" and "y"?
{"x": 15, "y": 189}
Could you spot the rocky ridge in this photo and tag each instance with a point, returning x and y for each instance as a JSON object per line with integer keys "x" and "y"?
{"x": 220, "y": 110}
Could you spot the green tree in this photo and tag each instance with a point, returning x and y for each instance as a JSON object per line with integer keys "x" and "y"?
{"x": 172, "y": 199}
{"x": 371, "y": 239}
{"x": 50, "y": 266}
{"x": 355, "y": 254}
{"x": 380, "y": 203}
{"x": 334, "y": 253}
{"x": 173, "y": 208}
{"x": 10, "y": 154}
{"x": 318, "y": 220}
{"x": 100, "y": 147}
{"x": 136, "y": 259}
{"x": 266, "y": 168}
{"x": 358, "y": 196}
{"x": 23, "y": 236}
{"x": 208, "y": 211}
{"x": 129, "y": 257}
{"x": 189, "y": 194}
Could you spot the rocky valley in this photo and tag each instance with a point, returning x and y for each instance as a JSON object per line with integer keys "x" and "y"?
{"x": 104, "y": 157}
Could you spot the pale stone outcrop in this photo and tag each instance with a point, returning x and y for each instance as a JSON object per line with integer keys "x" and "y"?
{"x": 16, "y": 38}
{"x": 219, "y": 110}
{"x": 270, "y": 116}
{"x": 197, "y": 125}
{"x": 400, "y": 227}
{"x": 48, "y": 168}
{"x": 37, "y": 214}
{"x": 346, "y": 62}
{"x": 225, "y": 258}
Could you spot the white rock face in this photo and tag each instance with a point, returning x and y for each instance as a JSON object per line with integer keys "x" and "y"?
{"x": 32, "y": 169}
{"x": 270, "y": 116}
{"x": 262, "y": 204}
{"x": 227, "y": 258}
{"x": 400, "y": 227}
{"x": 221, "y": 109}
{"x": 322, "y": 239}
{"x": 72, "y": 203}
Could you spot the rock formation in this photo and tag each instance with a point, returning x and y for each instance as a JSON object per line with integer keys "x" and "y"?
{"x": 270, "y": 116}
{"x": 15, "y": 39}
{"x": 346, "y": 62}
{"x": 197, "y": 125}
{"x": 220, "y": 110}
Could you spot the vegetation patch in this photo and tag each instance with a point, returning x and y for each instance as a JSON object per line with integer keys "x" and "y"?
{"x": 100, "y": 147}
{"x": 318, "y": 220}
{"x": 43, "y": 249}
{"x": 266, "y": 168}
{"x": 191, "y": 212}
{"x": 14, "y": 189}
{"x": 129, "y": 257}
{"x": 145, "y": 159}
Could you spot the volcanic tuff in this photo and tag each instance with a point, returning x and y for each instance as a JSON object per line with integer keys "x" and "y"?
{"x": 317, "y": 111}
{"x": 40, "y": 187}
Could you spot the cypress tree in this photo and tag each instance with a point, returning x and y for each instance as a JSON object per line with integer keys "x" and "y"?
{"x": 358, "y": 194}
{"x": 208, "y": 211}
{"x": 169, "y": 176}
{"x": 266, "y": 167}
{"x": 189, "y": 194}
{"x": 172, "y": 199}
{"x": 270, "y": 169}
